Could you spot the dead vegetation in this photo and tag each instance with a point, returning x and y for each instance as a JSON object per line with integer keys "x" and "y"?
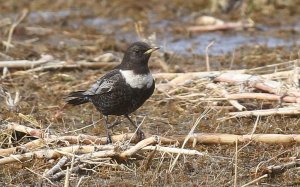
{"x": 225, "y": 120}
{"x": 275, "y": 90}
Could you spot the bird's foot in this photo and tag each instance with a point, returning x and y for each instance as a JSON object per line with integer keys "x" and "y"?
{"x": 141, "y": 135}
{"x": 108, "y": 140}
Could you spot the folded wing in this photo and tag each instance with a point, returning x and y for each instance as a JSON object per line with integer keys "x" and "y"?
{"x": 104, "y": 85}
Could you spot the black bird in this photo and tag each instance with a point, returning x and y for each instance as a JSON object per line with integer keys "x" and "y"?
{"x": 122, "y": 90}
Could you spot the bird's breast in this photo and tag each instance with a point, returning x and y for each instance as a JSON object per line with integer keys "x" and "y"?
{"x": 137, "y": 80}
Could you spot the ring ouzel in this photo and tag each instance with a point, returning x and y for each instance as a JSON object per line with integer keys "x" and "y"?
{"x": 122, "y": 90}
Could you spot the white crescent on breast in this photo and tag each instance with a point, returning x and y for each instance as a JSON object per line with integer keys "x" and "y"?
{"x": 137, "y": 80}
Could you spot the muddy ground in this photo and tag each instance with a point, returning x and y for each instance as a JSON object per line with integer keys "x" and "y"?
{"x": 83, "y": 30}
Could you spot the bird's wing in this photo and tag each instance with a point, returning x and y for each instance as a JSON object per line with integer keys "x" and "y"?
{"x": 105, "y": 84}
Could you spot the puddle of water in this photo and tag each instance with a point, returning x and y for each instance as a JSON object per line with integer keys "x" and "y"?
{"x": 107, "y": 26}
{"x": 224, "y": 43}
{"x": 48, "y": 16}
{"x": 123, "y": 29}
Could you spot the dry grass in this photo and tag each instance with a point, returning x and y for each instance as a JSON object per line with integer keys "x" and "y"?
{"x": 173, "y": 113}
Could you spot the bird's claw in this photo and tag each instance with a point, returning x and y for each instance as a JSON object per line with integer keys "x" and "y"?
{"x": 141, "y": 135}
{"x": 108, "y": 140}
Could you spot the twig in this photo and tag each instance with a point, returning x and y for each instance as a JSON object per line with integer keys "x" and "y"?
{"x": 30, "y": 119}
{"x": 136, "y": 130}
{"x": 91, "y": 152}
{"x": 12, "y": 103}
{"x": 232, "y": 59}
{"x": 79, "y": 182}
{"x": 138, "y": 146}
{"x": 24, "y": 148}
{"x": 149, "y": 158}
{"x": 66, "y": 184}
{"x": 217, "y": 138}
{"x": 207, "y": 55}
{"x": 199, "y": 75}
{"x": 80, "y": 64}
{"x": 53, "y": 153}
{"x": 174, "y": 150}
{"x": 176, "y": 79}
{"x": 188, "y": 137}
{"x": 237, "y": 151}
{"x": 235, "y": 163}
{"x": 295, "y": 77}
{"x": 256, "y": 82}
{"x": 255, "y": 180}
{"x": 278, "y": 169}
{"x": 263, "y": 96}
{"x": 11, "y": 30}
{"x": 87, "y": 126}
{"x": 23, "y": 64}
{"x": 98, "y": 154}
{"x": 56, "y": 167}
{"x": 40, "y": 176}
{"x": 69, "y": 171}
{"x": 51, "y": 64}
{"x": 274, "y": 66}
{"x": 225, "y": 26}
{"x": 205, "y": 138}
{"x": 27, "y": 130}
{"x": 292, "y": 110}
{"x": 225, "y": 94}
{"x": 61, "y": 174}
{"x": 255, "y": 126}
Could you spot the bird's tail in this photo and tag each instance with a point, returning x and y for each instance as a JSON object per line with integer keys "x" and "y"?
{"x": 77, "y": 98}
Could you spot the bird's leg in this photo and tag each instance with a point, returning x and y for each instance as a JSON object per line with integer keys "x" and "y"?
{"x": 281, "y": 99}
{"x": 140, "y": 133}
{"x": 115, "y": 123}
{"x": 108, "y": 141}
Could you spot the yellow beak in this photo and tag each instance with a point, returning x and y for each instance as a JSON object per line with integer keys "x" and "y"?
{"x": 149, "y": 51}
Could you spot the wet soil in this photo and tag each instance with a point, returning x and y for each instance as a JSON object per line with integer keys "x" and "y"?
{"x": 75, "y": 30}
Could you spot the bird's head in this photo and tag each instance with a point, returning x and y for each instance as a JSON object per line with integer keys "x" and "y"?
{"x": 137, "y": 56}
